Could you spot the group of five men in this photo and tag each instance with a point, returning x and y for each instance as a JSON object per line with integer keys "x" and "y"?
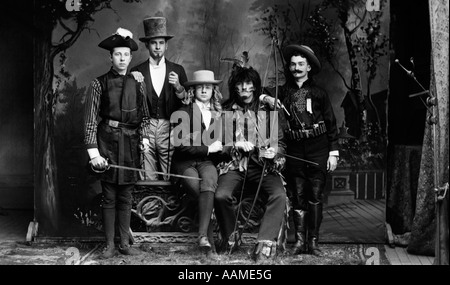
{"x": 134, "y": 113}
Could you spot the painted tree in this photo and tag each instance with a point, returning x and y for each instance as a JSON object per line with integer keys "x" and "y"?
{"x": 282, "y": 22}
{"x": 74, "y": 18}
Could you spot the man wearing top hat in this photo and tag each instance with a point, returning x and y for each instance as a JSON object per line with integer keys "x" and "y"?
{"x": 116, "y": 123}
{"x": 164, "y": 81}
{"x": 312, "y": 135}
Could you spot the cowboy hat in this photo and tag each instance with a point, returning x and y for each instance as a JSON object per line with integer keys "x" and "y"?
{"x": 121, "y": 38}
{"x": 203, "y": 77}
{"x": 155, "y": 27}
{"x": 313, "y": 61}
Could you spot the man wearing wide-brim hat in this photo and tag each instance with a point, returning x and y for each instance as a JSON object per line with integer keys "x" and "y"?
{"x": 196, "y": 152}
{"x": 116, "y": 116}
{"x": 165, "y": 89}
{"x": 312, "y": 135}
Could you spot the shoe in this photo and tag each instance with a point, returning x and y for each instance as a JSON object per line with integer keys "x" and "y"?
{"x": 264, "y": 252}
{"x": 203, "y": 243}
{"x": 108, "y": 252}
{"x": 128, "y": 250}
{"x": 314, "y": 247}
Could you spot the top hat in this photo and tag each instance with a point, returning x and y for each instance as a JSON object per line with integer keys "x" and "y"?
{"x": 122, "y": 38}
{"x": 155, "y": 27}
{"x": 203, "y": 77}
{"x": 313, "y": 61}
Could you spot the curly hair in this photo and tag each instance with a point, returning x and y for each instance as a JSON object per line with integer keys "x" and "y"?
{"x": 215, "y": 99}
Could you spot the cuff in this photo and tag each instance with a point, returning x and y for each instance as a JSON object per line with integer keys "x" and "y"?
{"x": 334, "y": 153}
{"x": 93, "y": 153}
{"x": 261, "y": 97}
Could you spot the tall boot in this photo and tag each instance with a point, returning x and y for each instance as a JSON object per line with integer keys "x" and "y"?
{"x": 124, "y": 215}
{"x": 205, "y": 208}
{"x": 300, "y": 231}
{"x": 315, "y": 219}
{"x": 109, "y": 219}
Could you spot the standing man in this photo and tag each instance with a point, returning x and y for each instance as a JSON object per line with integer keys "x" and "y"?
{"x": 312, "y": 135}
{"x": 164, "y": 81}
{"x": 254, "y": 141}
{"x": 116, "y": 120}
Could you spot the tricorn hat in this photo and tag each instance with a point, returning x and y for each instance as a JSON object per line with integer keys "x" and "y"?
{"x": 155, "y": 27}
{"x": 313, "y": 61}
{"x": 203, "y": 77}
{"x": 122, "y": 38}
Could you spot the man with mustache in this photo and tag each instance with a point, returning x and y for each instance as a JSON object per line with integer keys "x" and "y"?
{"x": 164, "y": 80}
{"x": 311, "y": 134}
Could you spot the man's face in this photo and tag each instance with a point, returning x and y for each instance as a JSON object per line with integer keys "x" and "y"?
{"x": 245, "y": 91}
{"x": 121, "y": 58}
{"x": 299, "y": 67}
{"x": 157, "y": 47}
{"x": 203, "y": 92}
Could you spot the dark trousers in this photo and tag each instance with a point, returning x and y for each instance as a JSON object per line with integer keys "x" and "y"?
{"x": 306, "y": 182}
{"x": 202, "y": 190}
{"x": 116, "y": 198}
{"x": 271, "y": 187}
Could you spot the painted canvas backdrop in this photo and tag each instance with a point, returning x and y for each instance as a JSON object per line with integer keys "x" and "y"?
{"x": 204, "y": 33}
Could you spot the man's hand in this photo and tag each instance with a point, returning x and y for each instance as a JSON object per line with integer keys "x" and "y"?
{"x": 145, "y": 145}
{"x": 270, "y": 101}
{"x": 174, "y": 80}
{"x": 269, "y": 153}
{"x": 138, "y": 76}
{"x": 332, "y": 163}
{"x": 99, "y": 163}
{"x": 244, "y": 146}
{"x": 215, "y": 147}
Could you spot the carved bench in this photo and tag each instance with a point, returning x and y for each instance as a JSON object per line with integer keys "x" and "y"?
{"x": 163, "y": 211}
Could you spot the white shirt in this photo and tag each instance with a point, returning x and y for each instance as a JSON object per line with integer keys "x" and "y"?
{"x": 158, "y": 74}
{"x": 206, "y": 113}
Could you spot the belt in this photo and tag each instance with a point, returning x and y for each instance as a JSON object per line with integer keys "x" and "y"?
{"x": 117, "y": 124}
{"x": 299, "y": 134}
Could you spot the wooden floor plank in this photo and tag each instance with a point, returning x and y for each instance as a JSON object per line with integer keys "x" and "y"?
{"x": 379, "y": 204}
{"x": 374, "y": 212}
{"x": 414, "y": 259}
{"x": 354, "y": 227}
{"x": 392, "y": 255}
{"x": 403, "y": 255}
{"x": 361, "y": 218}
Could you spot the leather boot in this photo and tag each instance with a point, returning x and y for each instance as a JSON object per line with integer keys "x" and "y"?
{"x": 300, "y": 231}
{"x": 205, "y": 208}
{"x": 124, "y": 216}
{"x": 109, "y": 219}
{"x": 315, "y": 219}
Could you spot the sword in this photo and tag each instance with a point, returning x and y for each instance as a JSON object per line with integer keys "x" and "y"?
{"x": 146, "y": 171}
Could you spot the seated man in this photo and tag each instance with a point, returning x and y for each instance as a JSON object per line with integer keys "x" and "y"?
{"x": 251, "y": 158}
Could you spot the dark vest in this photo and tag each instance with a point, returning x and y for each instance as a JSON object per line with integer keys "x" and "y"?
{"x": 158, "y": 109}
{"x": 120, "y": 144}
{"x": 115, "y": 106}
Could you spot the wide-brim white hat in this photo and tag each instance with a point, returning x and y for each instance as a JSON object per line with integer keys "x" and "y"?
{"x": 202, "y": 77}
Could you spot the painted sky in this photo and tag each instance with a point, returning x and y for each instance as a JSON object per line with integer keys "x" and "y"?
{"x": 235, "y": 32}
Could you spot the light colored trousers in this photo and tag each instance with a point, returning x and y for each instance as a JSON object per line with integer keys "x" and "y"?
{"x": 160, "y": 154}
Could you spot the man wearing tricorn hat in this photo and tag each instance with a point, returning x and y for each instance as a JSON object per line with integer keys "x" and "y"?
{"x": 312, "y": 135}
{"x": 164, "y": 81}
{"x": 116, "y": 117}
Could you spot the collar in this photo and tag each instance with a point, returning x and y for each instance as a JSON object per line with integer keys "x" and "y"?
{"x": 117, "y": 74}
{"x": 161, "y": 63}
{"x": 203, "y": 106}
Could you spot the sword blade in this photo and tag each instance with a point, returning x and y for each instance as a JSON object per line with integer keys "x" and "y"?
{"x": 298, "y": 158}
{"x": 153, "y": 172}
